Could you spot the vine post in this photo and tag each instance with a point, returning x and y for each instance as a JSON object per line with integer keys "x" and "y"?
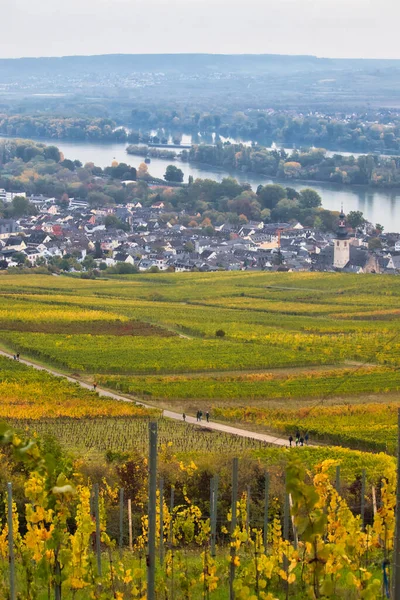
{"x": 396, "y": 549}
{"x": 337, "y": 482}
{"x": 213, "y": 513}
{"x": 98, "y": 532}
{"x": 121, "y": 519}
{"x": 130, "y": 524}
{"x": 286, "y": 517}
{"x": 362, "y": 507}
{"x": 161, "y": 521}
{"x": 266, "y": 509}
{"x": 171, "y": 537}
{"x": 11, "y": 540}
{"x": 232, "y": 569}
{"x": 248, "y": 513}
{"x": 151, "y": 549}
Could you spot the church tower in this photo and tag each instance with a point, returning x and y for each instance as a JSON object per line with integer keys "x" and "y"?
{"x": 341, "y": 254}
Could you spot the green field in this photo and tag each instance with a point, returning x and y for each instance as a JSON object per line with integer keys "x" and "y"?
{"x": 290, "y": 340}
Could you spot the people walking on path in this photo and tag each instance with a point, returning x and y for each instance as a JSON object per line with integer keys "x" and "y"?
{"x": 200, "y": 415}
{"x": 290, "y": 440}
{"x": 301, "y": 441}
{"x": 17, "y": 355}
{"x": 94, "y": 386}
{"x": 198, "y": 418}
{"x": 306, "y": 438}
{"x": 207, "y": 417}
{"x": 184, "y": 417}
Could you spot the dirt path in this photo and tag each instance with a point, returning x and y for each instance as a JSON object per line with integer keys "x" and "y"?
{"x": 269, "y": 439}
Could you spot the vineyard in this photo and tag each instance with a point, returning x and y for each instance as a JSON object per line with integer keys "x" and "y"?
{"x": 288, "y": 341}
{"x": 304, "y": 534}
{"x": 318, "y": 353}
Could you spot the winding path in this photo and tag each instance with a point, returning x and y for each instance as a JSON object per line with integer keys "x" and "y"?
{"x": 262, "y": 437}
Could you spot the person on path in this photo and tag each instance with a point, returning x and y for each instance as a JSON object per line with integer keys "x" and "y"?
{"x": 298, "y": 434}
{"x": 301, "y": 441}
{"x": 306, "y": 439}
{"x": 290, "y": 440}
{"x": 94, "y": 386}
{"x": 297, "y": 439}
{"x": 200, "y": 415}
{"x": 17, "y": 355}
{"x": 184, "y": 417}
{"x": 207, "y": 417}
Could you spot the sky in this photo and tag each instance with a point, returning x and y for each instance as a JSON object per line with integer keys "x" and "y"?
{"x": 326, "y": 28}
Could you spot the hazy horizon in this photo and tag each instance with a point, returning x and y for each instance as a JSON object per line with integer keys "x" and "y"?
{"x": 323, "y": 28}
{"x": 183, "y": 53}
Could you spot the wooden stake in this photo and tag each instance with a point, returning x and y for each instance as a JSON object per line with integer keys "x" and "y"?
{"x": 98, "y": 532}
{"x": 233, "y": 526}
{"x": 151, "y": 549}
{"x": 266, "y": 508}
{"x": 374, "y": 500}
{"x": 295, "y": 537}
{"x": 396, "y": 549}
{"x": 161, "y": 521}
{"x": 121, "y": 519}
{"x": 11, "y": 540}
{"x": 130, "y": 524}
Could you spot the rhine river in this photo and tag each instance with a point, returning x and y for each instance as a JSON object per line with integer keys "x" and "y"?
{"x": 378, "y": 206}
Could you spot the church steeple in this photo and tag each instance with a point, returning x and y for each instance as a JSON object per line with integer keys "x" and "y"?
{"x": 341, "y": 253}
{"x": 341, "y": 232}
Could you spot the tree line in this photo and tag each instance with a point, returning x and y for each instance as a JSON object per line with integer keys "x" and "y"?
{"x": 204, "y": 203}
{"x": 308, "y": 165}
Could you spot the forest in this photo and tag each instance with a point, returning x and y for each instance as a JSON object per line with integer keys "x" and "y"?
{"x": 308, "y": 165}
{"x": 371, "y": 131}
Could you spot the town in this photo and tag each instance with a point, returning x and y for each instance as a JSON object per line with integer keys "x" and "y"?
{"x": 73, "y": 236}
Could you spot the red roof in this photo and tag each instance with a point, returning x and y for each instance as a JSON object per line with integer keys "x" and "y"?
{"x": 57, "y": 230}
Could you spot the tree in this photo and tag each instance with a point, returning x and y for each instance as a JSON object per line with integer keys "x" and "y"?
{"x": 329, "y": 220}
{"x": 88, "y": 262}
{"x": 374, "y": 244}
{"x": 172, "y": 173}
{"x": 291, "y": 168}
{"x": 270, "y": 195}
{"x": 355, "y": 219}
{"x": 68, "y": 164}
{"x": 98, "y": 252}
{"x": 189, "y": 247}
{"x": 19, "y": 258}
{"x": 52, "y": 153}
{"x": 64, "y": 201}
{"x": 286, "y": 210}
{"x": 309, "y": 198}
{"x": 143, "y": 171}
{"x": 292, "y": 194}
{"x": 379, "y": 228}
{"x": 99, "y": 199}
{"x": 20, "y": 207}
{"x": 266, "y": 215}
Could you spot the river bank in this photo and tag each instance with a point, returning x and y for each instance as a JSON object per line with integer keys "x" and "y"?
{"x": 378, "y": 205}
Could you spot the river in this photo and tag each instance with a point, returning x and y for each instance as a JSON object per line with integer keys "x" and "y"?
{"x": 378, "y": 206}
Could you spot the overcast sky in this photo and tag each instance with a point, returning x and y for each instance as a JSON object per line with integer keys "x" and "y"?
{"x": 335, "y": 28}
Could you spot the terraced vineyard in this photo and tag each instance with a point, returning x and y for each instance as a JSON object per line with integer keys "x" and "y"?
{"x": 286, "y": 341}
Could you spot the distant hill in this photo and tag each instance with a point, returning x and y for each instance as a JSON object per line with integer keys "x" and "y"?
{"x": 12, "y": 68}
